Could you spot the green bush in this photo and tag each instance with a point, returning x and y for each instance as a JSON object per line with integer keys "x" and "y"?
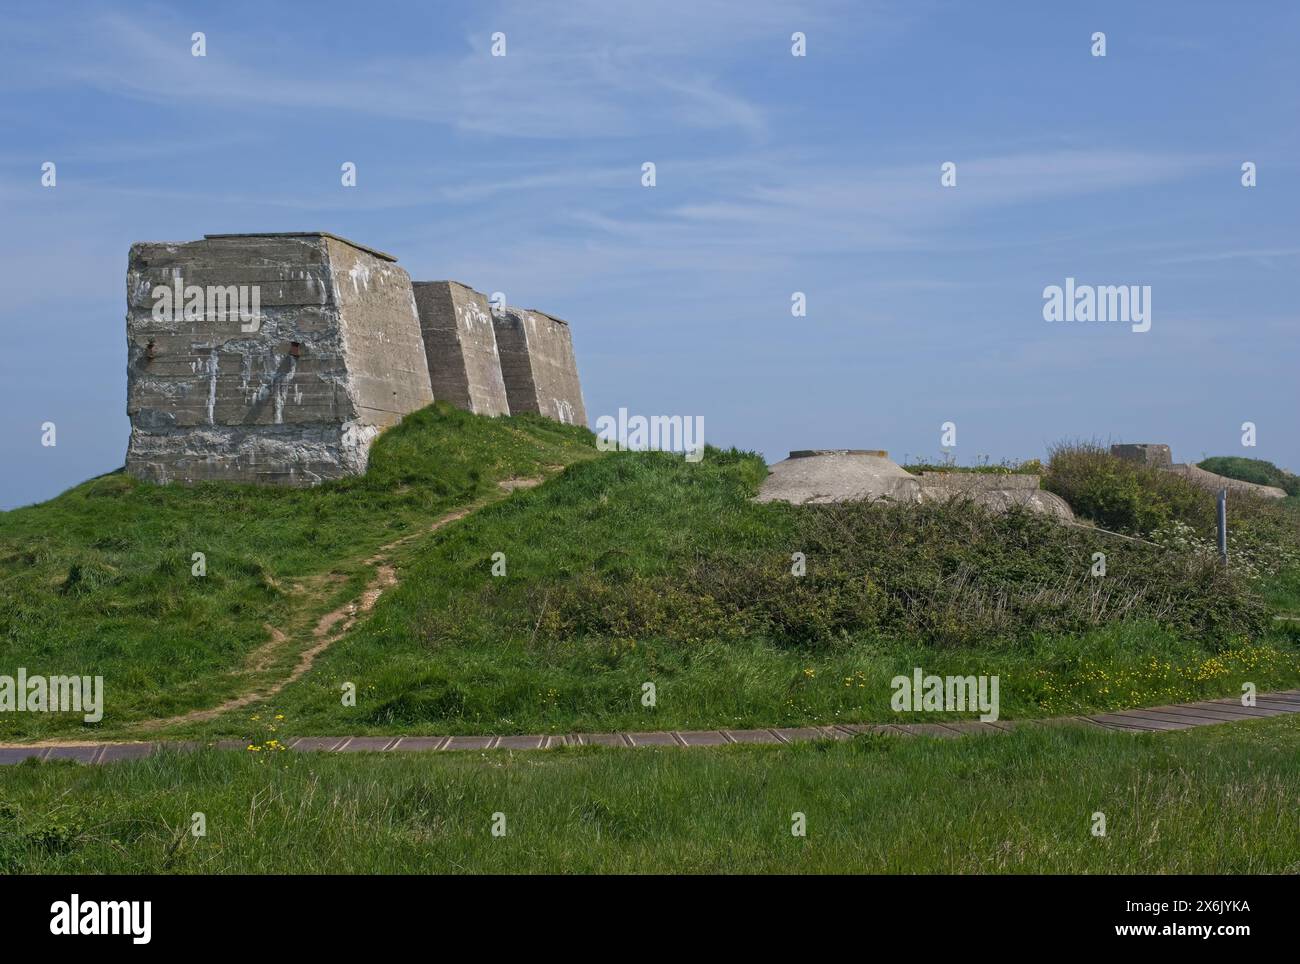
{"x": 1125, "y": 496}
{"x": 948, "y": 573}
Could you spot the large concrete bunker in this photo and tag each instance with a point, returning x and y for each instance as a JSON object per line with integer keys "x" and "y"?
{"x": 266, "y": 358}
{"x": 279, "y": 358}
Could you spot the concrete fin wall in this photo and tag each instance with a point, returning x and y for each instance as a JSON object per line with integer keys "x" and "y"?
{"x": 538, "y": 365}
{"x": 461, "y": 347}
{"x": 296, "y": 393}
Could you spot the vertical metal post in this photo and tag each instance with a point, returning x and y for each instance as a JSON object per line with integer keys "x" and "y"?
{"x": 1223, "y": 526}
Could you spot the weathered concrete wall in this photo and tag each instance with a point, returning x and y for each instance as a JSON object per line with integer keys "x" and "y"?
{"x": 461, "y": 344}
{"x": 996, "y": 492}
{"x": 1144, "y": 453}
{"x": 382, "y": 342}
{"x": 538, "y": 365}
{"x": 334, "y": 355}
{"x": 978, "y": 481}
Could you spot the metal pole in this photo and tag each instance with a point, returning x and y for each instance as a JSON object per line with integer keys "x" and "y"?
{"x": 1223, "y": 526}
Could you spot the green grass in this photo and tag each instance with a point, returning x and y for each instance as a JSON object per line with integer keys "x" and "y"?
{"x": 514, "y": 688}
{"x": 618, "y": 575}
{"x": 1219, "y": 799}
{"x": 99, "y": 580}
{"x": 626, "y": 569}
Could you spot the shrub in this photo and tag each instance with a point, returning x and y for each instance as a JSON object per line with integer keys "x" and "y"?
{"x": 947, "y": 573}
{"x": 1125, "y": 496}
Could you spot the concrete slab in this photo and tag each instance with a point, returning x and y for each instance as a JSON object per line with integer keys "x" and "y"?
{"x": 703, "y": 737}
{"x": 520, "y": 742}
{"x": 419, "y": 744}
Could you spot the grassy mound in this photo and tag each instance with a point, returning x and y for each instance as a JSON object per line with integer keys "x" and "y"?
{"x": 1123, "y": 495}
{"x": 1253, "y": 470}
{"x": 640, "y": 568}
{"x": 100, "y": 580}
{"x": 553, "y": 608}
{"x": 648, "y": 546}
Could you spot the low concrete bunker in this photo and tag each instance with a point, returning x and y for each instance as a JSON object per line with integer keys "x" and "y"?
{"x": 819, "y": 476}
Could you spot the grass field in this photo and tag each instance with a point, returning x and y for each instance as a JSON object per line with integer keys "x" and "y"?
{"x": 1218, "y": 799}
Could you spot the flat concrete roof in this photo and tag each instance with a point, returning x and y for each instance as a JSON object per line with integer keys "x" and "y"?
{"x": 812, "y": 453}
{"x": 447, "y": 281}
{"x": 304, "y": 234}
{"x": 547, "y": 314}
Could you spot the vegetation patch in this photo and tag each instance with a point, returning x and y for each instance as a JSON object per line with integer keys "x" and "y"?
{"x": 102, "y": 579}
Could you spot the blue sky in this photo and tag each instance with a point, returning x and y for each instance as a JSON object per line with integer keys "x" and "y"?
{"x": 775, "y": 174}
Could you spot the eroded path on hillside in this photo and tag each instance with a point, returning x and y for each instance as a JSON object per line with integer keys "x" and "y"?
{"x": 329, "y": 628}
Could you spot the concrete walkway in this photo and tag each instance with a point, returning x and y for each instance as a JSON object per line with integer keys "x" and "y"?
{"x": 1151, "y": 719}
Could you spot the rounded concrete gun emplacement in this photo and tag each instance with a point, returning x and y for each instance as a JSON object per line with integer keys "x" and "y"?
{"x": 814, "y": 476}
{"x": 818, "y": 476}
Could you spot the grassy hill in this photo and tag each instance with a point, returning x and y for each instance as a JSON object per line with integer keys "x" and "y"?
{"x": 640, "y": 568}
{"x": 100, "y": 580}
{"x": 624, "y": 569}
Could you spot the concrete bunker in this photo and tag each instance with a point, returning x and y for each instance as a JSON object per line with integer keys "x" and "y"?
{"x": 291, "y": 389}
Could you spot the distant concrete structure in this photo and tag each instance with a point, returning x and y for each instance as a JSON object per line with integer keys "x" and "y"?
{"x": 538, "y": 365}
{"x": 815, "y": 476}
{"x": 461, "y": 346}
{"x": 323, "y": 351}
{"x": 1144, "y": 453}
{"x": 1159, "y": 456}
{"x": 279, "y": 358}
{"x": 818, "y": 476}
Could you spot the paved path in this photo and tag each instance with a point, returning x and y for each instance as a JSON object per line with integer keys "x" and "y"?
{"x": 1151, "y": 719}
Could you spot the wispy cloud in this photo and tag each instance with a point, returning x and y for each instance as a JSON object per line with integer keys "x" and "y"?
{"x": 591, "y": 70}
